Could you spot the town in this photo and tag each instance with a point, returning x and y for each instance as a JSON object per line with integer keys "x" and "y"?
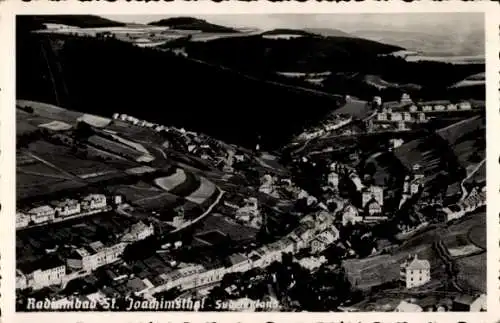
{"x": 377, "y": 205}
{"x": 332, "y": 229}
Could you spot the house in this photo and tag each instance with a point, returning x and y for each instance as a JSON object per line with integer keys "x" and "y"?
{"x": 373, "y": 192}
{"x": 95, "y": 255}
{"x": 94, "y": 201}
{"x": 464, "y": 105}
{"x": 67, "y": 207}
{"x": 137, "y": 232}
{"x": 323, "y": 240}
{"x": 22, "y": 220}
{"x": 382, "y": 116}
{"x": 372, "y": 207}
{"x": 42, "y": 214}
{"x": 21, "y": 280}
{"x": 46, "y": 271}
{"x": 350, "y": 215}
{"x": 333, "y": 180}
{"x": 405, "y": 306}
{"x": 415, "y": 272}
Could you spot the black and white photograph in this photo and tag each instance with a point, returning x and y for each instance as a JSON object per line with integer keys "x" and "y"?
{"x": 251, "y": 162}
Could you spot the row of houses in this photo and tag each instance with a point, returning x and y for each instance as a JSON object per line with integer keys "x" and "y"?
{"x": 59, "y": 210}
{"x": 475, "y": 200}
{"x": 337, "y": 122}
{"x": 55, "y": 270}
{"x": 315, "y": 230}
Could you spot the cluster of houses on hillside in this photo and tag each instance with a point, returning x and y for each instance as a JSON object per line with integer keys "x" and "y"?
{"x": 475, "y": 200}
{"x": 406, "y": 110}
{"x": 336, "y": 122}
{"x": 58, "y": 268}
{"x": 63, "y": 210}
{"x": 196, "y": 144}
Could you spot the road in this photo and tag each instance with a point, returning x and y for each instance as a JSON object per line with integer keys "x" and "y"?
{"x": 462, "y": 184}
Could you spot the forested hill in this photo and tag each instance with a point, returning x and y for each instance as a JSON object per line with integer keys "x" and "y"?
{"x": 106, "y": 76}
{"x": 190, "y": 23}
{"x": 306, "y": 53}
{"x": 82, "y": 21}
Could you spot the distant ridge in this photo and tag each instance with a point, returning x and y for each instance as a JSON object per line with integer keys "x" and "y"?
{"x": 190, "y": 23}
{"x": 82, "y": 21}
{"x": 327, "y": 32}
{"x": 280, "y": 31}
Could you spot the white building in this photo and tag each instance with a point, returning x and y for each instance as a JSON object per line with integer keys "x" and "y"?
{"x": 464, "y": 105}
{"x": 373, "y": 192}
{"x": 67, "y": 207}
{"x": 350, "y": 215}
{"x": 46, "y": 272}
{"x": 137, "y": 232}
{"x": 415, "y": 272}
{"x": 94, "y": 201}
{"x": 333, "y": 180}
{"x": 95, "y": 255}
{"x": 22, "y": 220}
{"x": 42, "y": 214}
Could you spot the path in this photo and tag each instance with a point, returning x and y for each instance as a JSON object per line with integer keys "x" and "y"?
{"x": 462, "y": 184}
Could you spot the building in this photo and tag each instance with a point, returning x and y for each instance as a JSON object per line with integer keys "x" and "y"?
{"x": 372, "y": 207}
{"x": 95, "y": 255}
{"x": 464, "y": 105}
{"x": 350, "y": 215}
{"x": 333, "y": 180}
{"x": 94, "y": 201}
{"x": 67, "y": 207}
{"x": 44, "y": 272}
{"x": 405, "y": 306}
{"x": 41, "y": 214}
{"x": 373, "y": 192}
{"x": 22, "y": 220}
{"x": 415, "y": 272}
{"x": 137, "y": 232}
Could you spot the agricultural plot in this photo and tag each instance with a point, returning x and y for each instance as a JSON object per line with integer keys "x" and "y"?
{"x": 28, "y": 186}
{"x": 50, "y": 111}
{"x": 472, "y": 272}
{"x": 114, "y": 147}
{"x": 467, "y": 139}
{"x": 217, "y": 222}
{"x": 24, "y": 127}
{"x": 168, "y": 183}
{"x": 204, "y": 191}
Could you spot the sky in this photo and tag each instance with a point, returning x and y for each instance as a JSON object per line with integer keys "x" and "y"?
{"x": 431, "y": 22}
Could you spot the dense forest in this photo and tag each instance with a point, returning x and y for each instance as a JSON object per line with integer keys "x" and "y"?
{"x": 190, "y": 23}
{"x": 104, "y": 76}
{"x": 237, "y": 103}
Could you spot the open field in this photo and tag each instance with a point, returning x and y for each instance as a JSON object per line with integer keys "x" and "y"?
{"x": 170, "y": 182}
{"x": 467, "y": 139}
{"x": 50, "y": 111}
{"x": 218, "y": 222}
{"x": 472, "y": 272}
{"x": 373, "y": 271}
{"x": 114, "y": 147}
{"x": 204, "y": 191}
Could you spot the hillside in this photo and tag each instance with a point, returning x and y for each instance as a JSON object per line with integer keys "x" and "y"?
{"x": 190, "y": 23}
{"x": 328, "y": 32}
{"x": 308, "y": 53}
{"x": 96, "y": 76}
{"x": 82, "y": 21}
